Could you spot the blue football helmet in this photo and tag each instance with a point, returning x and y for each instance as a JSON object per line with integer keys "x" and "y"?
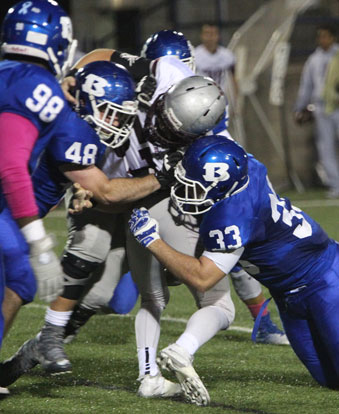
{"x": 106, "y": 99}
{"x": 169, "y": 43}
{"x": 39, "y": 29}
{"x": 212, "y": 169}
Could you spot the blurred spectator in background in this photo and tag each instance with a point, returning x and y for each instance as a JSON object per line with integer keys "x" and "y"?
{"x": 331, "y": 98}
{"x": 311, "y": 92}
{"x": 216, "y": 61}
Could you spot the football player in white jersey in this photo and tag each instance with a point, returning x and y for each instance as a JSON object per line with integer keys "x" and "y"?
{"x": 84, "y": 254}
{"x": 173, "y": 43}
{"x": 180, "y": 116}
{"x": 147, "y": 339}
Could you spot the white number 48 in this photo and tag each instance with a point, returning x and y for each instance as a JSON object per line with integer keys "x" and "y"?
{"x": 86, "y": 157}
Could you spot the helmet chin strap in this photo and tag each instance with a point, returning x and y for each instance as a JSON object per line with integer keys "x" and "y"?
{"x": 61, "y": 71}
{"x": 55, "y": 62}
{"x": 71, "y": 52}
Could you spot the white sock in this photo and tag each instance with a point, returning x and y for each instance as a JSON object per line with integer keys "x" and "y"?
{"x": 57, "y": 318}
{"x": 147, "y": 362}
{"x": 147, "y": 331}
{"x": 201, "y": 327}
{"x": 188, "y": 342}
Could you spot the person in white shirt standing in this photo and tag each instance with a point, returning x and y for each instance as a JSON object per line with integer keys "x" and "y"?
{"x": 214, "y": 60}
{"x": 310, "y": 92}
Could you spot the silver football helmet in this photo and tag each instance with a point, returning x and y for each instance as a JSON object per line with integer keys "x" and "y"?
{"x": 189, "y": 109}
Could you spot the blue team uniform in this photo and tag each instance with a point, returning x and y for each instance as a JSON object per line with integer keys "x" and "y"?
{"x": 289, "y": 253}
{"x": 32, "y": 92}
{"x": 75, "y": 143}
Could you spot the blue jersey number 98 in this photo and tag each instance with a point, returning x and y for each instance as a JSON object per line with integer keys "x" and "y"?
{"x": 43, "y": 102}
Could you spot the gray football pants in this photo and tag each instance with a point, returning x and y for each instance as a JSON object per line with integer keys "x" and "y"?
{"x": 96, "y": 236}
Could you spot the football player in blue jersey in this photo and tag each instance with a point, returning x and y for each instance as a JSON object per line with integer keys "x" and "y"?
{"x": 32, "y": 106}
{"x": 173, "y": 43}
{"x": 106, "y": 99}
{"x": 243, "y": 219}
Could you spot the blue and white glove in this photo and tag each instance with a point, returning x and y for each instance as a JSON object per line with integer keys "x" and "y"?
{"x": 143, "y": 227}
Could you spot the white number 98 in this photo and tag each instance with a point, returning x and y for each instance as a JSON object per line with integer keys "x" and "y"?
{"x": 42, "y": 101}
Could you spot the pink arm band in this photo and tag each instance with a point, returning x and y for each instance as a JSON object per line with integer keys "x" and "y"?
{"x": 17, "y": 138}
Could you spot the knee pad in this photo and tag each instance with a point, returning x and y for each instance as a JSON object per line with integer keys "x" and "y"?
{"x": 77, "y": 272}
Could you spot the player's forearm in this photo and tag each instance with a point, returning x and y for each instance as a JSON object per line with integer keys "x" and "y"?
{"x": 93, "y": 56}
{"x": 127, "y": 190}
{"x": 110, "y": 192}
{"x": 186, "y": 268}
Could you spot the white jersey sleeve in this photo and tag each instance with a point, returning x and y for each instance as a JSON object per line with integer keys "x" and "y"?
{"x": 224, "y": 261}
{"x": 168, "y": 71}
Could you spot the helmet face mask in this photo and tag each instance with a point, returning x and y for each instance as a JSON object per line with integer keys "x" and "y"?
{"x": 106, "y": 96}
{"x": 169, "y": 43}
{"x": 40, "y": 29}
{"x": 188, "y": 110}
{"x": 113, "y": 122}
{"x": 190, "y": 196}
{"x": 160, "y": 130}
{"x": 213, "y": 168}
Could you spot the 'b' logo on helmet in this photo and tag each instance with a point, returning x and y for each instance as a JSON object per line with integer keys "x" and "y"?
{"x": 216, "y": 171}
{"x": 95, "y": 85}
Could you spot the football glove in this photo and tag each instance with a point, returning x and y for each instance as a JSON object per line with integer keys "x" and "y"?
{"x": 166, "y": 175}
{"x": 144, "y": 228}
{"x": 144, "y": 91}
{"x": 47, "y": 268}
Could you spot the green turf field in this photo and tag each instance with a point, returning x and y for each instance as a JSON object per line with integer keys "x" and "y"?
{"x": 241, "y": 377}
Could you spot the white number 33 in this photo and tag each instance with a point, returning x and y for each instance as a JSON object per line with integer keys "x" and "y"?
{"x": 233, "y": 231}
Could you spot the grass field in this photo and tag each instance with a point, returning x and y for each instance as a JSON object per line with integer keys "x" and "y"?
{"x": 241, "y": 377}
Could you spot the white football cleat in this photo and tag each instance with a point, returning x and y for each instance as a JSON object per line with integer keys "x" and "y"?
{"x": 157, "y": 386}
{"x": 176, "y": 359}
{"x": 4, "y": 391}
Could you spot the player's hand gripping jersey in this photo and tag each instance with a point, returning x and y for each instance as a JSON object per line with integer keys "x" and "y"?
{"x": 271, "y": 234}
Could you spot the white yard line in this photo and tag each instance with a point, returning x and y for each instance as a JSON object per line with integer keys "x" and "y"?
{"x": 316, "y": 203}
{"x": 164, "y": 318}
{"x": 298, "y": 203}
